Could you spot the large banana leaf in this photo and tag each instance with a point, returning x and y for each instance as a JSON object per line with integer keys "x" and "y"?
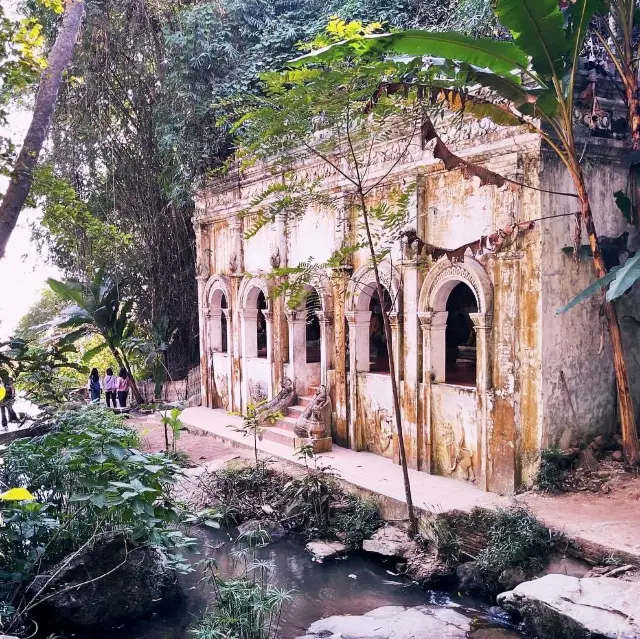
{"x": 598, "y": 285}
{"x": 538, "y": 29}
{"x": 499, "y": 57}
{"x": 71, "y": 291}
{"x": 94, "y": 351}
{"x": 625, "y": 278}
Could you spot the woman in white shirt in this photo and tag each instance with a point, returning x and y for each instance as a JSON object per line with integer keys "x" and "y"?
{"x": 122, "y": 387}
{"x": 110, "y": 382}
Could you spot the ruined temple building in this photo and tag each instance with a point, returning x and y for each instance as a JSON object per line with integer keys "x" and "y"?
{"x": 478, "y": 346}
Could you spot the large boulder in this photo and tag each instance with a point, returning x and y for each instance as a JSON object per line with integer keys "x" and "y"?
{"x": 390, "y": 542}
{"x": 564, "y": 607}
{"x": 106, "y": 583}
{"x": 397, "y": 622}
{"x": 321, "y": 549}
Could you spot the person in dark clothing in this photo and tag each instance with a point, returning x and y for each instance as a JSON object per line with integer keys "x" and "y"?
{"x": 122, "y": 387}
{"x": 6, "y": 405}
{"x": 94, "y": 386}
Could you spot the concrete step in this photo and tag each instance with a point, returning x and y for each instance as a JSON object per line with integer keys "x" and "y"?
{"x": 295, "y": 411}
{"x": 279, "y": 436}
{"x": 286, "y": 423}
{"x": 304, "y": 400}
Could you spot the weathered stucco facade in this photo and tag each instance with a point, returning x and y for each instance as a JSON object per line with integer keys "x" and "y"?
{"x": 480, "y": 409}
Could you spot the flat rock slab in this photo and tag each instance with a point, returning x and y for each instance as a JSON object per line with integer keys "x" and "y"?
{"x": 390, "y": 542}
{"x": 321, "y": 550}
{"x": 563, "y": 607}
{"x": 394, "y": 622}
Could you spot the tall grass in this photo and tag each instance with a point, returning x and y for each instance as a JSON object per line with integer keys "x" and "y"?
{"x": 248, "y": 606}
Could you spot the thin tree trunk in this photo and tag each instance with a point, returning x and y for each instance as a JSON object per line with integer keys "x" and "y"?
{"x": 50, "y": 81}
{"x": 631, "y": 445}
{"x": 413, "y": 522}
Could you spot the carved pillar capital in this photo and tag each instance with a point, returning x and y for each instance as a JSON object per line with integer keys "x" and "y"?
{"x": 394, "y": 320}
{"x": 268, "y": 314}
{"x": 324, "y": 318}
{"x": 482, "y": 321}
{"x": 433, "y": 320}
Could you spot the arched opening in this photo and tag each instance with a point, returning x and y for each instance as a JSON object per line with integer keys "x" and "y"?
{"x": 378, "y": 347}
{"x": 312, "y": 327}
{"x": 218, "y": 327}
{"x": 460, "y": 337}
{"x": 261, "y": 326}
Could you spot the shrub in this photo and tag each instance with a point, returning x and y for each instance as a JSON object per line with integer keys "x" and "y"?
{"x": 516, "y": 539}
{"x": 357, "y": 520}
{"x": 88, "y": 477}
{"x": 552, "y": 471}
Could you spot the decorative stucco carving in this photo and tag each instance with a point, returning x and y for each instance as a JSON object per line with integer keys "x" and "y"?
{"x": 222, "y": 390}
{"x": 457, "y": 272}
{"x": 257, "y": 392}
{"x": 233, "y": 263}
{"x": 315, "y": 420}
{"x": 386, "y": 429}
{"x": 274, "y": 258}
{"x": 279, "y": 403}
{"x": 457, "y": 455}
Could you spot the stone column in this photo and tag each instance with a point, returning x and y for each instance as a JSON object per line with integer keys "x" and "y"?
{"x": 268, "y": 316}
{"x": 435, "y": 362}
{"x": 326, "y": 344}
{"x": 482, "y": 323}
{"x": 236, "y": 261}
{"x": 359, "y": 361}
{"x": 248, "y": 338}
{"x": 214, "y": 317}
{"x": 228, "y": 315}
{"x": 296, "y": 321}
{"x": 426, "y": 437}
{"x": 204, "y": 359}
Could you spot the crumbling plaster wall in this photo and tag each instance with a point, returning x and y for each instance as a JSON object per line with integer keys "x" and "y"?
{"x": 577, "y": 341}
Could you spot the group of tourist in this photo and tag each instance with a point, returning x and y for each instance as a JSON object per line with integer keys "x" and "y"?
{"x": 115, "y": 388}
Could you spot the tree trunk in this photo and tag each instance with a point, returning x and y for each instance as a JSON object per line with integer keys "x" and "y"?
{"x": 631, "y": 445}
{"x": 50, "y": 81}
{"x": 413, "y": 522}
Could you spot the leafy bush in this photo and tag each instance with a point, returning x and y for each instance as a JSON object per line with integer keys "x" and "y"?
{"x": 357, "y": 521}
{"x": 552, "y": 471}
{"x": 88, "y": 477}
{"x": 248, "y": 606}
{"x": 516, "y": 539}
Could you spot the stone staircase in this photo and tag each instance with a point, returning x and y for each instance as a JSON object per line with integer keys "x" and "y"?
{"x": 282, "y": 430}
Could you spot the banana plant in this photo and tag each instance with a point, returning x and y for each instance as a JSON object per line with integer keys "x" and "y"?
{"x": 96, "y": 309}
{"x": 529, "y": 81}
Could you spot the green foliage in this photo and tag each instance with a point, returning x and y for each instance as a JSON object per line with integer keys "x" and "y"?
{"x": 247, "y": 606}
{"x": 252, "y": 425}
{"x": 88, "y": 477}
{"x": 356, "y": 520}
{"x": 78, "y": 238}
{"x": 40, "y": 370}
{"x": 552, "y": 471}
{"x": 172, "y": 420}
{"x": 516, "y": 539}
{"x": 436, "y": 530}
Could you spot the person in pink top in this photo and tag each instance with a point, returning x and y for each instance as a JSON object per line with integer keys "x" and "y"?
{"x": 122, "y": 387}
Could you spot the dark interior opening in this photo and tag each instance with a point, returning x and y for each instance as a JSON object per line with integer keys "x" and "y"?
{"x": 312, "y": 305}
{"x": 460, "y": 337}
{"x": 223, "y": 327}
{"x": 378, "y": 348}
{"x": 261, "y": 323}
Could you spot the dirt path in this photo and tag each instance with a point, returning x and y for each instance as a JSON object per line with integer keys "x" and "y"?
{"x": 200, "y": 449}
{"x": 611, "y": 519}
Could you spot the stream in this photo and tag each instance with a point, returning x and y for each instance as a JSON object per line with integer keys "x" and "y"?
{"x": 353, "y": 585}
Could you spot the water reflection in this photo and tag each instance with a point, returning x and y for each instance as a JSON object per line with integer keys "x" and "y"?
{"x": 320, "y": 591}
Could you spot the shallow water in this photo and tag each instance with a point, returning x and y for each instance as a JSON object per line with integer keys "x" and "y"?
{"x": 354, "y": 585}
